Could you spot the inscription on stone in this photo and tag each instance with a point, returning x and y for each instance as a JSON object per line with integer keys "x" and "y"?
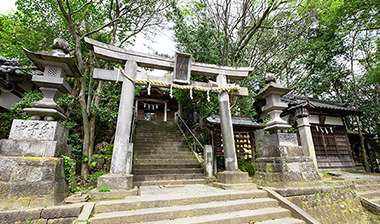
{"x": 38, "y": 130}
{"x": 182, "y": 68}
{"x": 34, "y": 129}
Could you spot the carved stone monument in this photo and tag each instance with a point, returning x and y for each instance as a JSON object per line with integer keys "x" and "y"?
{"x": 282, "y": 161}
{"x": 31, "y": 163}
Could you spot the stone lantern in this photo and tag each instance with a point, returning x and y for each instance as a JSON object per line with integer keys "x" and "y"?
{"x": 272, "y": 94}
{"x": 56, "y": 64}
{"x": 282, "y": 161}
{"x": 33, "y": 153}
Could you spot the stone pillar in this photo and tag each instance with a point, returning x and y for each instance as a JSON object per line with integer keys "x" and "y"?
{"x": 230, "y": 158}
{"x": 306, "y": 138}
{"x": 166, "y": 112}
{"x": 208, "y": 161}
{"x": 232, "y": 175}
{"x": 124, "y": 119}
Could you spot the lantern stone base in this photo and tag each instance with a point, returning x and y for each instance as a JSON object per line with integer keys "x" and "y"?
{"x": 116, "y": 181}
{"x": 31, "y": 167}
{"x": 282, "y": 162}
{"x": 233, "y": 177}
{"x": 31, "y": 182}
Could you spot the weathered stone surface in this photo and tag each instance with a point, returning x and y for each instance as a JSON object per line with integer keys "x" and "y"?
{"x": 280, "y": 139}
{"x": 39, "y": 221}
{"x": 19, "y": 215}
{"x": 337, "y": 206}
{"x": 38, "y": 130}
{"x": 62, "y": 211}
{"x": 272, "y": 170}
{"x": 233, "y": 177}
{"x": 10, "y": 147}
{"x": 116, "y": 181}
{"x": 61, "y": 221}
{"x": 124, "y": 120}
{"x": 77, "y": 198}
{"x": 31, "y": 181}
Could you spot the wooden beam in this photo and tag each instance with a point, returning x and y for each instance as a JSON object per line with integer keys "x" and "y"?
{"x": 111, "y": 75}
{"x": 120, "y": 55}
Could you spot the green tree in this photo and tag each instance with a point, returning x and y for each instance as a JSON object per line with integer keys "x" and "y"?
{"x": 110, "y": 21}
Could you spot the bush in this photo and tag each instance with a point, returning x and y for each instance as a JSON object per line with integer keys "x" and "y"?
{"x": 247, "y": 166}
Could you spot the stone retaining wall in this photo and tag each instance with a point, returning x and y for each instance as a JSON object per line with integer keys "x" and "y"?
{"x": 57, "y": 214}
{"x": 338, "y": 204}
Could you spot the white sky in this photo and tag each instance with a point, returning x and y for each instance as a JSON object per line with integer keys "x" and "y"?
{"x": 162, "y": 43}
{"x": 7, "y": 5}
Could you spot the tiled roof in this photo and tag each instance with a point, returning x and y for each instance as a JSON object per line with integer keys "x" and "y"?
{"x": 295, "y": 102}
{"x": 13, "y": 67}
{"x": 237, "y": 121}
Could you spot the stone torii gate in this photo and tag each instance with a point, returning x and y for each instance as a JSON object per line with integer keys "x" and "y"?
{"x": 121, "y": 164}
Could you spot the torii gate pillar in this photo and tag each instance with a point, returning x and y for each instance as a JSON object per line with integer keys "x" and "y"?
{"x": 232, "y": 175}
{"x": 120, "y": 176}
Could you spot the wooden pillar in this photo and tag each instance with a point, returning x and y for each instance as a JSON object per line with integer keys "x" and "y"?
{"x": 137, "y": 108}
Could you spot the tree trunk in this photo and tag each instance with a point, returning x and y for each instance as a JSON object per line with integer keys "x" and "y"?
{"x": 362, "y": 146}
{"x": 92, "y": 123}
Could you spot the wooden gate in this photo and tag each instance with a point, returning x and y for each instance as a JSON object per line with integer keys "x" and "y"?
{"x": 332, "y": 147}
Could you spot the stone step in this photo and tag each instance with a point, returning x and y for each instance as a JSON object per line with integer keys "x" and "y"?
{"x": 165, "y": 166}
{"x": 164, "y": 156}
{"x": 372, "y": 187}
{"x": 159, "y": 144}
{"x": 139, "y": 202}
{"x": 164, "y": 149}
{"x": 177, "y": 212}
{"x": 166, "y": 171}
{"x": 157, "y": 140}
{"x": 163, "y": 177}
{"x": 165, "y": 161}
{"x": 169, "y": 182}
{"x": 159, "y": 153}
{"x": 376, "y": 200}
{"x": 369, "y": 194}
{"x": 239, "y": 217}
{"x": 283, "y": 221}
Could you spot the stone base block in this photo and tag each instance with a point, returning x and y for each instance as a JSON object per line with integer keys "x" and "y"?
{"x": 116, "y": 181}
{"x": 10, "y": 147}
{"x": 233, "y": 177}
{"x": 36, "y": 138}
{"x": 274, "y": 171}
{"x": 38, "y": 130}
{"x": 29, "y": 182}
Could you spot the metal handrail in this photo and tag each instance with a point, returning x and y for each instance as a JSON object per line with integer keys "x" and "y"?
{"x": 134, "y": 116}
{"x": 188, "y": 129}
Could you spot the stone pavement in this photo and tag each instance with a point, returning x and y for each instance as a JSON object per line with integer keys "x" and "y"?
{"x": 180, "y": 190}
{"x": 355, "y": 177}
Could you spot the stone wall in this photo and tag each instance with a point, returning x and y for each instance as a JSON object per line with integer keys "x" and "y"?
{"x": 48, "y": 215}
{"x": 328, "y": 205}
{"x": 30, "y": 182}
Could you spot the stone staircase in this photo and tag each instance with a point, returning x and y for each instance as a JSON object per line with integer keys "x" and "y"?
{"x": 370, "y": 192}
{"x": 162, "y": 157}
{"x": 196, "y": 204}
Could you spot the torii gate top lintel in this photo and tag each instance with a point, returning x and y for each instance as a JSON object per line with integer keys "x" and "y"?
{"x": 121, "y": 55}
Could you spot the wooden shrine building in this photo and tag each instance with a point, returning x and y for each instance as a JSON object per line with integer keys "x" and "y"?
{"x": 243, "y": 127}
{"x": 327, "y": 124}
{"x": 155, "y": 105}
